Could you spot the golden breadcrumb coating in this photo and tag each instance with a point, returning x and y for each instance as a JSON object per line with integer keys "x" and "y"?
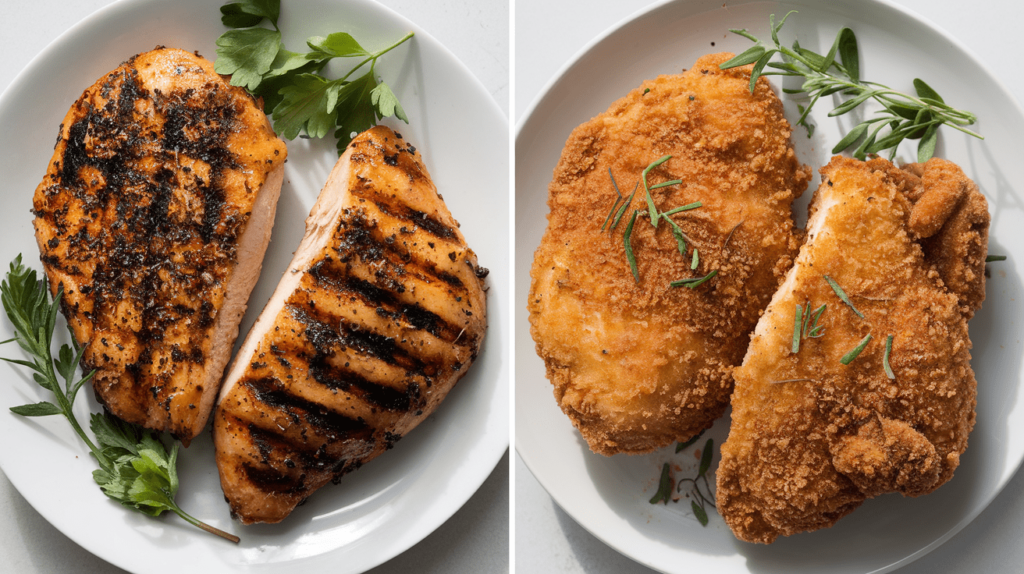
{"x": 638, "y": 365}
{"x": 812, "y": 438}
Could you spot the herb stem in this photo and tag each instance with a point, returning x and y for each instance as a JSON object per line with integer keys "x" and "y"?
{"x": 195, "y": 522}
{"x": 372, "y": 59}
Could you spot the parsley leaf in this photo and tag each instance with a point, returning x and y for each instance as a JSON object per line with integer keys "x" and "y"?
{"x": 246, "y": 55}
{"x": 247, "y": 13}
{"x": 337, "y": 45}
{"x": 355, "y": 109}
{"x": 295, "y": 94}
{"x": 307, "y": 104}
{"x": 387, "y": 103}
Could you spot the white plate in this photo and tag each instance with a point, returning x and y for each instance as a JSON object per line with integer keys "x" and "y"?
{"x": 385, "y": 507}
{"x": 608, "y": 496}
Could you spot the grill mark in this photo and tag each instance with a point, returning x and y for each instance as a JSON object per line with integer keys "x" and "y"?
{"x": 325, "y": 421}
{"x": 332, "y": 277}
{"x": 356, "y": 238}
{"x": 269, "y": 480}
{"x": 325, "y": 339}
{"x": 424, "y": 221}
{"x": 295, "y": 455}
{"x": 369, "y": 391}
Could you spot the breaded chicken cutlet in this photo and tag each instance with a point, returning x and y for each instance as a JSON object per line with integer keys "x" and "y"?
{"x": 812, "y": 437}
{"x": 637, "y": 363}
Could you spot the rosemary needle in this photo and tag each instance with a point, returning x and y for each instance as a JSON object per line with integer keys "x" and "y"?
{"x": 696, "y": 260}
{"x": 885, "y": 359}
{"x": 622, "y": 210}
{"x": 629, "y": 246}
{"x": 797, "y": 320}
{"x": 849, "y": 357}
{"x": 687, "y": 207}
{"x": 693, "y": 283}
{"x": 815, "y": 327}
{"x": 842, "y": 295}
{"x": 992, "y": 258}
{"x": 653, "y": 211}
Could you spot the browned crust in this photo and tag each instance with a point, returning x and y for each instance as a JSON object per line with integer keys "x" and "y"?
{"x": 152, "y": 181}
{"x": 637, "y": 366}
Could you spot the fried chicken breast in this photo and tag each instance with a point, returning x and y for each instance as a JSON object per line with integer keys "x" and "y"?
{"x": 154, "y": 216}
{"x": 638, "y": 364}
{"x": 382, "y": 310}
{"x": 812, "y": 437}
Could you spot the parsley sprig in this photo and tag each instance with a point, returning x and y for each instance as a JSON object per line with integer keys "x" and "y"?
{"x": 906, "y": 116}
{"x": 135, "y": 466}
{"x": 295, "y": 94}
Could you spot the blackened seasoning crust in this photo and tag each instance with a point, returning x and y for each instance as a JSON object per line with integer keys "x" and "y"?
{"x": 380, "y": 314}
{"x": 139, "y": 216}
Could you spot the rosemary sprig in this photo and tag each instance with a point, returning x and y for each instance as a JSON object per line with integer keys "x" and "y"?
{"x": 842, "y": 295}
{"x": 804, "y": 326}
{"x": 885, "y": 358}
{"x": 849, "y": 357}
{"x": 906, "y": 116}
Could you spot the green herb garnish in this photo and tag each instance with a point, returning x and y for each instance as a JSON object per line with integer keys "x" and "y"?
{"x": 797, "y": 328}
{"x": 992, "y": 258}
{"x": 652, "y": 211}
{"x": 664, "y": 486}
{"x": 693, "y": 283}
{"x": 682, "y": 445}
{"x": 885, "y": 358}
{"x": 618, "y": 198}
{"x": 629, "y": 246}
{"x": 625, "y": 206}
{"x": 135, "y": 468}
{"x": 295, "y": 94}
{"x": 842, "y": 295}
{"x": 849, "y": 357}
{"x": 907, "y": 116}
{"x": 815, "y": 328}
{"x": 700, "y": 500}
{"x": 696, "y": 260}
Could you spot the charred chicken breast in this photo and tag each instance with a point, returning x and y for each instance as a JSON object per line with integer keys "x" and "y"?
{"x": 382, "y": 310}
{"x": 153, "y": 219}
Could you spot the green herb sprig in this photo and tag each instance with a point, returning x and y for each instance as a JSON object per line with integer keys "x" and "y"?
{"x": 294, "y": 92}
{"x": 906, "y": 116}
{"x": 700, "y": 500}
{"x": 135, "y": 467}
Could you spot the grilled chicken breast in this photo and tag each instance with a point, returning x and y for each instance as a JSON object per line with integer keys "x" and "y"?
{"x": 382, "y": 310}
{"x": 153, "y": 218}
{"x": 811, "y": 437}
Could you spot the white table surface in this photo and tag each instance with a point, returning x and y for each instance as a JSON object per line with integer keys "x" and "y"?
{"x": 476, "y": 538}
{"x": 548, "y": 34}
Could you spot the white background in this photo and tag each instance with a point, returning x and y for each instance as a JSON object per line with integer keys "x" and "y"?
{"x": 475, "y": 539}
{"x": 548, "y": 35}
